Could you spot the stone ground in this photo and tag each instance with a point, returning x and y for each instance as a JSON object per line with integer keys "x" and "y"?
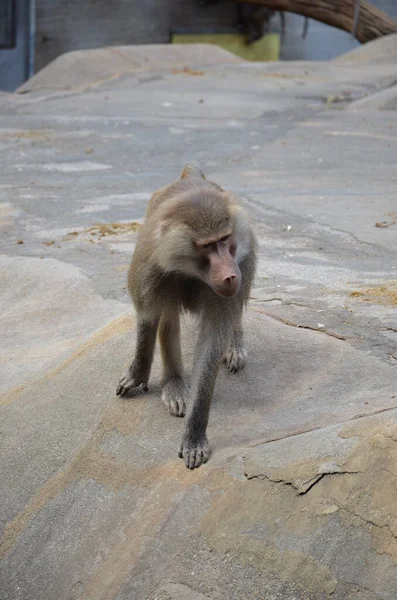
{"x": 298, "y": 501}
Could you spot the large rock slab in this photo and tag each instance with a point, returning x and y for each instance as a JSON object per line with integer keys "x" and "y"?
{"x": 381, "y": 50}
{"x": 83, "y": 68}
{"x": 297, "y": 501}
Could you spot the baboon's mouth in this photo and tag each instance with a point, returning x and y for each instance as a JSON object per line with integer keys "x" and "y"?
{"x": 227, "y": 292}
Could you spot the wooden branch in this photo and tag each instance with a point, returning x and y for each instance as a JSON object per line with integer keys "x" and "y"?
{"x": 372, "y": 22}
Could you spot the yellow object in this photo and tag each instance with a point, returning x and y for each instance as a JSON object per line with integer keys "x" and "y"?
{"x": 267, "y": 48}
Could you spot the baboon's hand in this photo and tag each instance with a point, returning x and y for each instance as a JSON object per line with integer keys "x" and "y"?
{"x": 194, "y": 451}
{"x": 235, "y": 359}
{"x": 132, "y": 379}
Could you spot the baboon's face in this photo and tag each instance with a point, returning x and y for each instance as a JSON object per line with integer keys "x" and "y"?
{"x": 217, "y": 264}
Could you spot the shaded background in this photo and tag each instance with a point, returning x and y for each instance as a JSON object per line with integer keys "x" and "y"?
{"x": 79, "y": 24}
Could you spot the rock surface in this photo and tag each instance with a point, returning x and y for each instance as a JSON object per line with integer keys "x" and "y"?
{"x": 298, "y": 499}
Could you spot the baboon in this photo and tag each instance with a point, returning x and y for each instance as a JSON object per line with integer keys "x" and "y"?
{"x": 196, "y": 252}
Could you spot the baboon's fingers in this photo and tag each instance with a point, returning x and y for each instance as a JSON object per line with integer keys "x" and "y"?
{"x": 194, "y": 454}
{"x": 235, "y": 359}
{"x": 174, "y": 395}
{"x": 190, "y": 459}
{"x": 126, "y": 384}
{"x": 121, "y": 388}
{"x": 206, "y": 454}
{"x": 199, "y": 457}
{"x": 177, "y": 407}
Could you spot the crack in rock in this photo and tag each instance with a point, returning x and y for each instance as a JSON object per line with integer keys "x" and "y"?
{"x": 365, "y": 520}
{"x": 328, "y": 468}
{"x": 298, "y": 326}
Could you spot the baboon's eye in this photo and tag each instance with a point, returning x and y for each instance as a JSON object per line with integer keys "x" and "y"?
{"x": 224, "y": 239}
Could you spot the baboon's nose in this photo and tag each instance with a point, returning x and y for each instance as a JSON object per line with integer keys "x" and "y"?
{"x": 230, "y": 281}
{"x": 230, "y": 285}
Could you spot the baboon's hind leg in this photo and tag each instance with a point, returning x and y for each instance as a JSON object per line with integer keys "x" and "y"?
{"x": 174, "y": 389}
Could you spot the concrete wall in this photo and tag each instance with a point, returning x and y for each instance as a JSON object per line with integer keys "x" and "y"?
{"x": 62, "y": 26}
{"x": 78, "y": 24}
{"x": 14, "y": 62}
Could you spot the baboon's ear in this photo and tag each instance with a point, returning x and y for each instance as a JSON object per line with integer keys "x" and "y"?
{"x": 192, "y": 169}
{"x": 160, "y": 230}
{"x": 166, "y": 220}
